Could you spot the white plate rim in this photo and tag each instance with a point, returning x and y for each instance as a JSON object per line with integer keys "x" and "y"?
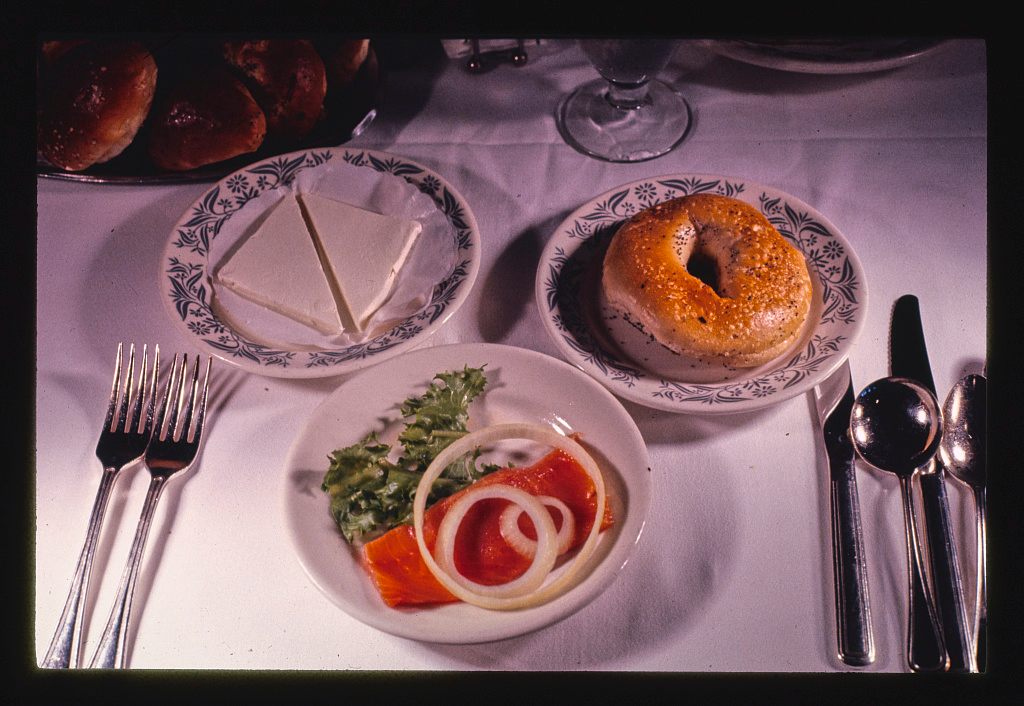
{"x": 482, "y": 625}
{"x": 826, "y": 346}
{"x": 185, "y": 280}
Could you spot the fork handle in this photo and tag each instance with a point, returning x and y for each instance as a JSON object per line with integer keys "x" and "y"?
{"x": 111, "y": 653}
{"x": 66, "y": 647}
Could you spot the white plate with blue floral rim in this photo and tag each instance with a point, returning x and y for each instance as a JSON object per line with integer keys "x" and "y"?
{"x": 522, "y": 386}
{"x": 634, "y": 366}
{"x": 435, "y": 281}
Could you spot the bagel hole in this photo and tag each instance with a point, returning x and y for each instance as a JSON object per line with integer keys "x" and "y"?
{"x": 704, "y": 268}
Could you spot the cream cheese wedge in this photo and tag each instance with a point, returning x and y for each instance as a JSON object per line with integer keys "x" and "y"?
{"x": 278, "y": 267}
{"x": 361, "y": 252}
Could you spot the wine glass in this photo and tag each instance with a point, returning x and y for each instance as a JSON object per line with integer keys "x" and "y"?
{"x": 627, "y": 115}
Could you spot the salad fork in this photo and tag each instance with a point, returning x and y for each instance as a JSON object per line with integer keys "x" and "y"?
{"x": 122, "y": 441}
{"x": 171, "y": 449}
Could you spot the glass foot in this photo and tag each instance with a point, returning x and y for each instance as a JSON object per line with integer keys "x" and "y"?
{"x": 591, "y": 123}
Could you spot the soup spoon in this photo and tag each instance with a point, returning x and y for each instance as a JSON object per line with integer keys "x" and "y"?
{"x": 896, "y": 426}
{"x": 963, "y": 454}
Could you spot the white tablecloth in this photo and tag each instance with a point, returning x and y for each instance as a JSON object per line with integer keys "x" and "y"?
{"x": 733, "y": 570}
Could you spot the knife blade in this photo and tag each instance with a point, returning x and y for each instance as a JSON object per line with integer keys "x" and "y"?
{"x": 909, "y": 359}
{"x": 834, "y": 400}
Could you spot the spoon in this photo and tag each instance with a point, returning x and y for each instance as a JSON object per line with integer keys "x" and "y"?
{"x": 896, "y": 427}
{"x": 963, "y": 454}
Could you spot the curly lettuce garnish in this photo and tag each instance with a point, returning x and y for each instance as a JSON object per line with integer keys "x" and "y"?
{"x": 371, "y": 494}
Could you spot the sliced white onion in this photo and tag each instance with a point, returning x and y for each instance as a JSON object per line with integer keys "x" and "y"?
{"x": 543, "y": 560}
{"x": 523, "y": 545}
{"x": 464, "y": 445}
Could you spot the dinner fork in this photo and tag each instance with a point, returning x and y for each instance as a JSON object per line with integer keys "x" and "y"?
{"x": 122, "y": 441}
{"x": 171, "y": 449}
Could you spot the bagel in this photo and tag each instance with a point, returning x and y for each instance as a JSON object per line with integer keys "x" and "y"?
{"x": 711, "y": 279}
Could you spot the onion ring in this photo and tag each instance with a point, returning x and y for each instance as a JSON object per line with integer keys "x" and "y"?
{"x": 523, "y": 545}
{"x": 543, "y": 560}
{"x": 490, "y": 434}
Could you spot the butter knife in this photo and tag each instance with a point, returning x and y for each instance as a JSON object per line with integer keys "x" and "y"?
{"x": 910, "y": 360}
{"x": 834, "y": 400}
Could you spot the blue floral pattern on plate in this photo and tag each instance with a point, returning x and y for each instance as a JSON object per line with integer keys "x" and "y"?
{"x": 571, "y": 260}
{"x": 185, "y": 278}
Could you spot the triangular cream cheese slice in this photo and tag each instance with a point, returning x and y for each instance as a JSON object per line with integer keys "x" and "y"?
{"x": 278, "y": 267}
{"x": 361, "y": 251}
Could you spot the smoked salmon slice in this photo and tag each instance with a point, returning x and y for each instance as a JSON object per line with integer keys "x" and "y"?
{"x": 402, "y": 578}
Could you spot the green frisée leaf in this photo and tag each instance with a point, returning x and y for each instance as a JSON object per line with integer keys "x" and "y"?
{"x": 369, "y": 494}
{"x": 439, "y": 416}
{"x": 361, "y": 465}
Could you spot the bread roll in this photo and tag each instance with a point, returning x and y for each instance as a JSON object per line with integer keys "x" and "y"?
{"x": 287, "y": 78}
{"x": 204, "y": 119}
{"x": 95, "y": 98}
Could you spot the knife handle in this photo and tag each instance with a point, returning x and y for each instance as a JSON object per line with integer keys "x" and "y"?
{"x": 853, "y": 608}
{"x": 949, "y": 596}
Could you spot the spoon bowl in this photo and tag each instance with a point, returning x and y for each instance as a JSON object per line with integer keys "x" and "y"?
{"x": 896, "y": 425}
{"x": 963, "y": 437}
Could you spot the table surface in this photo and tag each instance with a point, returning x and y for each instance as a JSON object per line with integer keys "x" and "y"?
{"x": 733, "y": 571}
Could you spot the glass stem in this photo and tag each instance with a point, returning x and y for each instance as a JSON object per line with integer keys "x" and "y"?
{"x": 627, "y": 96}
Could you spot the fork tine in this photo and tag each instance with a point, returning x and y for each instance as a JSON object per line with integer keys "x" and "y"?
{"x": 189, "y": 400}
{"x": 114, "y": 387}
{"x": 126, "y": 391}
{"x": 175, "y": 402}
{"x": 179, "y": 393}
{"x": 151, "y": 391}
{"x": 201, "y": 411}
{"x": 165, "y": 403}
{"x": 138, "y": 394}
